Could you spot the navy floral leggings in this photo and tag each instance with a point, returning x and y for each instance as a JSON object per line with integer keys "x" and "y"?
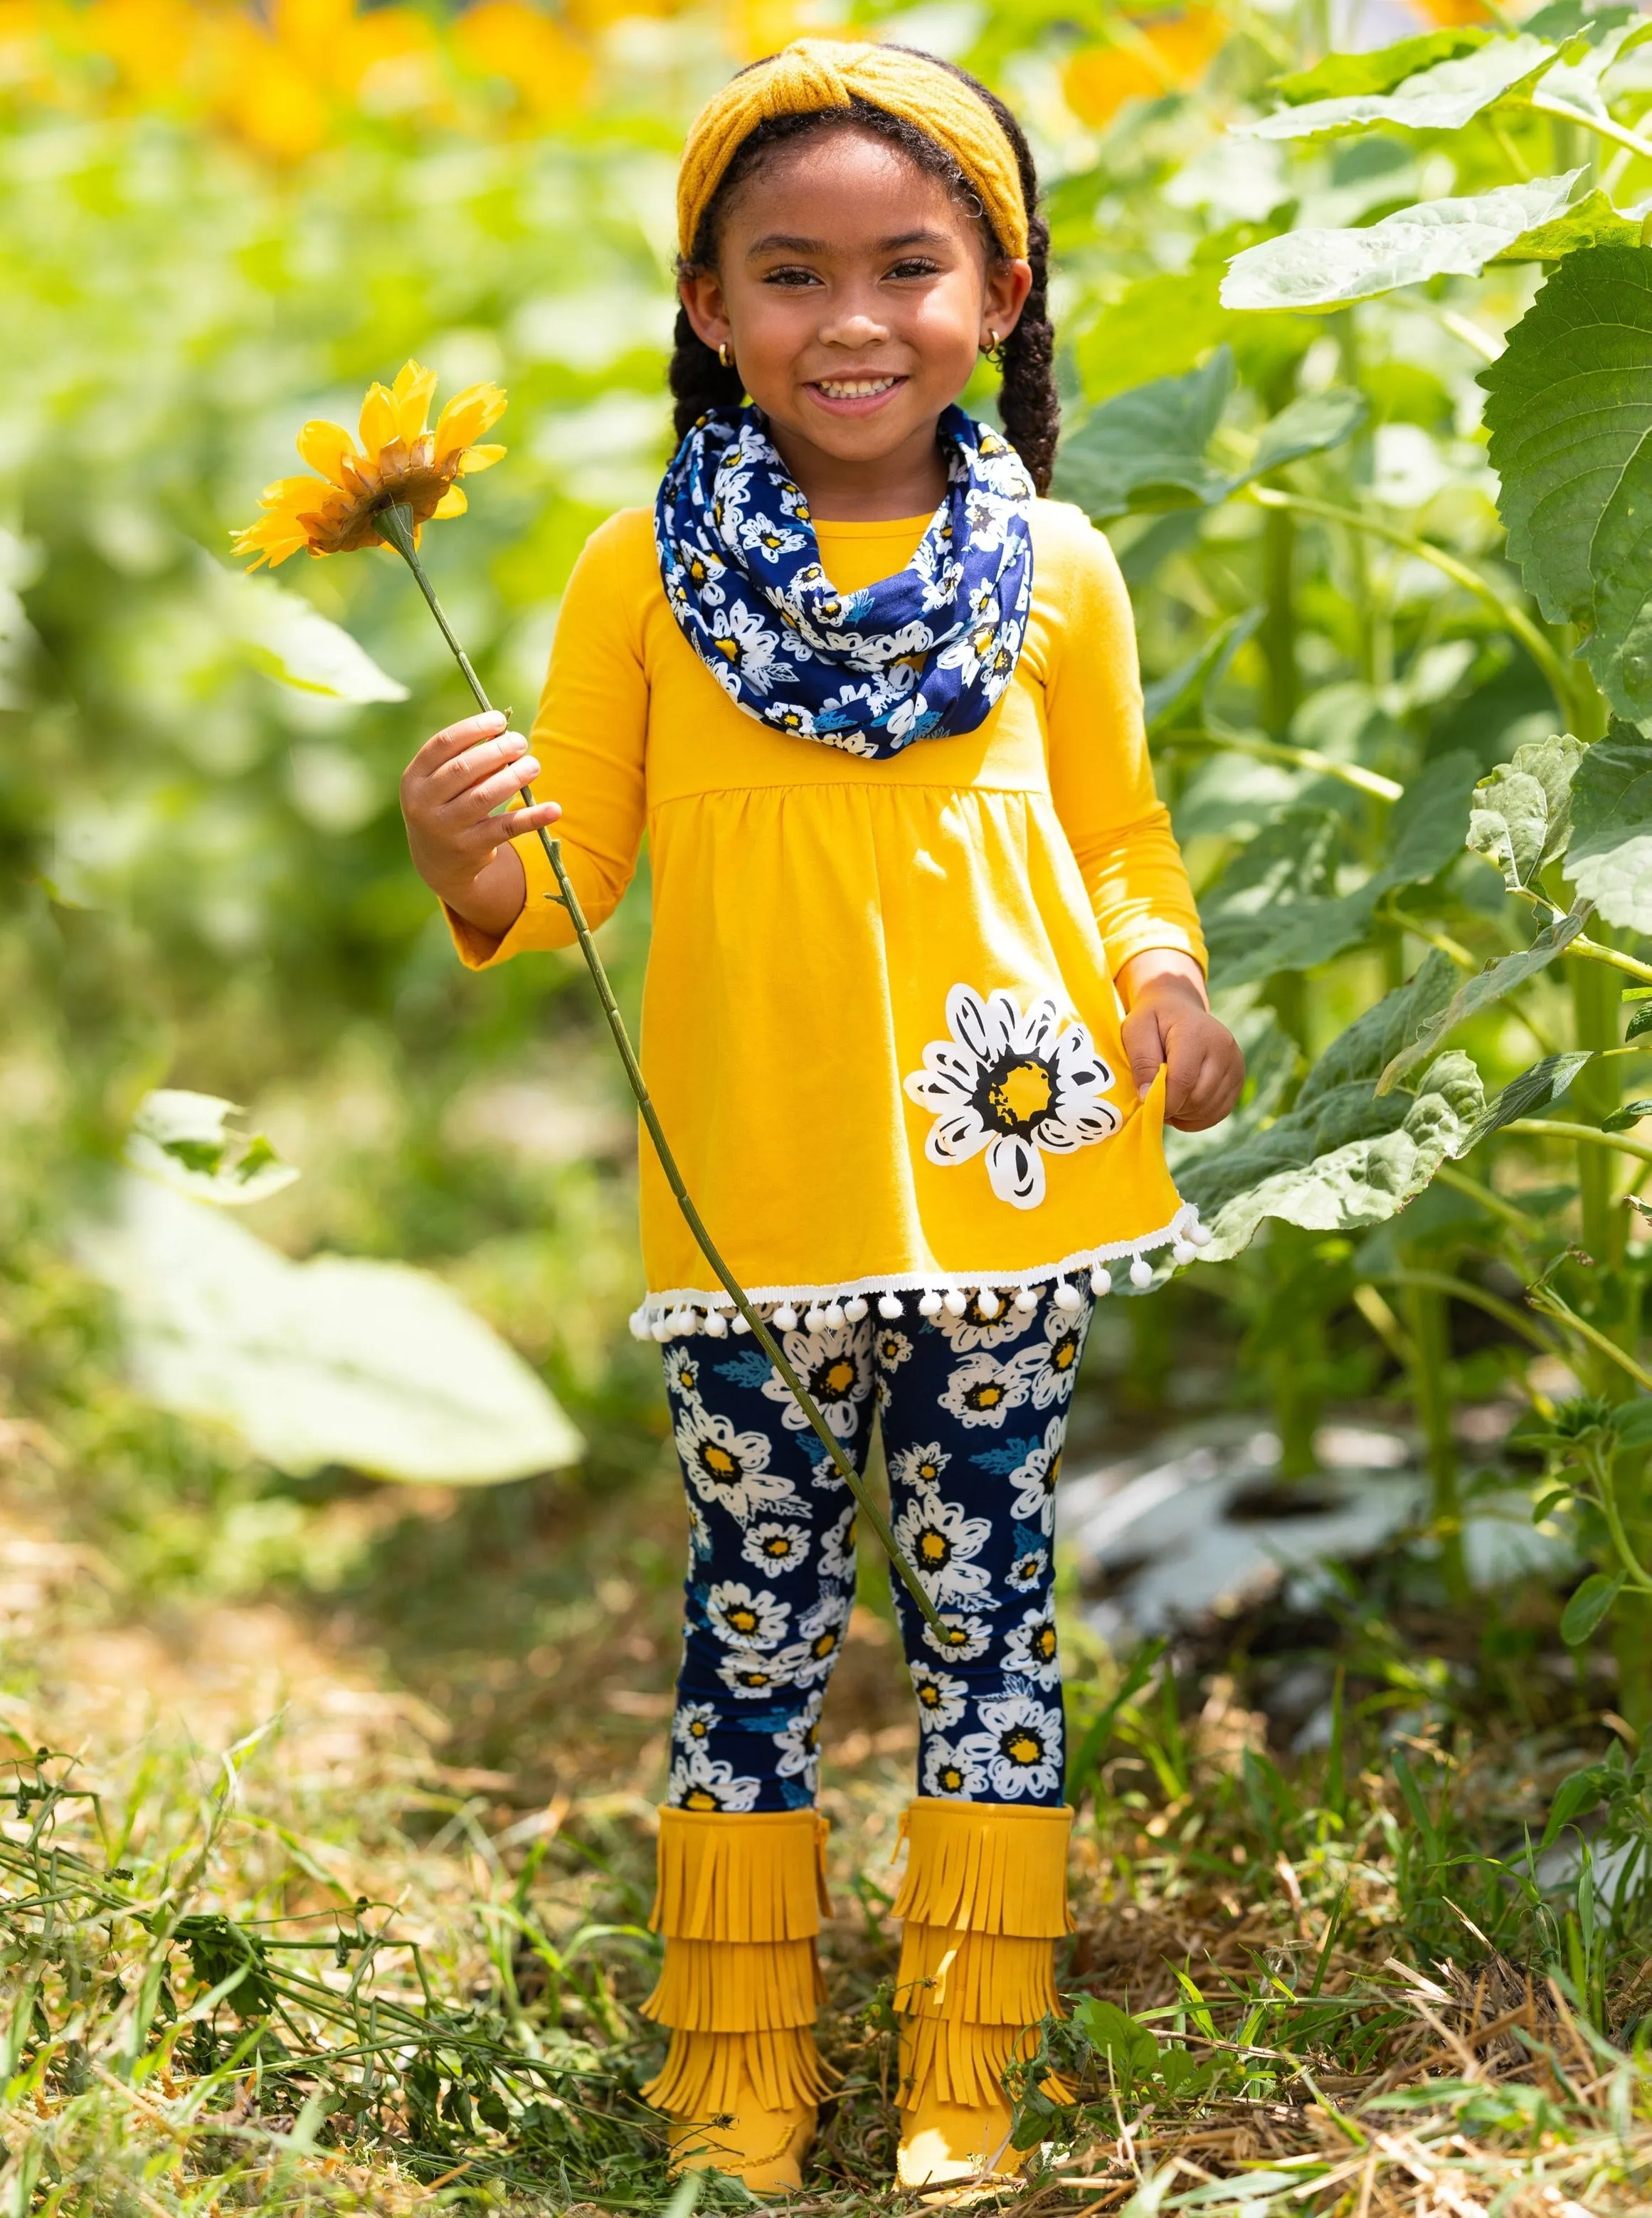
{"x": 974, "y": 1412}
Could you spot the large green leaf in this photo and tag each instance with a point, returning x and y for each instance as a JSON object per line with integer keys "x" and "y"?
{"x": 1440, "y": 98}
{"x": 1574, "y": 85}
{"x": 1272, "y": 909}
{"x": 1610, "y": 858}
{"x": 188, "y": 1141}
{"x": 375, "y": 1366}
{"x": 1522, "y": 813}
{"x": 1499, "y": 977}
{"x": 1340, "y": 75}
{"x": 1569, "y": 406}
{"x": 1619, "y": 650}
{"x": 1593, "y": 222}
{"x": 1435, "y": 238}
{"x": 1145, "y": 449}
{"x": 1535, "y": 1089}
{"x": 288, "y": 638}
{"x": 1183, "y": 688}
{"x": 1345, "y": 1156}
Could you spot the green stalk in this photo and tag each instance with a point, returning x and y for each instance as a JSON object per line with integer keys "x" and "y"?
{"x": 1540, "y": 649}
{"x": 1277, "y": 634}
{"x": 1425, "y": 1315}
{"x": 396, "y": 525}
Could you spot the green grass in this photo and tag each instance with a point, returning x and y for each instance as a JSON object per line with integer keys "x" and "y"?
{"x": 334, "y": 1897}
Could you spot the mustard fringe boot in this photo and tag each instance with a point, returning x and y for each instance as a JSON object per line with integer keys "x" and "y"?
{"x": 738, "y": 1901}
{"x": 984, "y": 1899}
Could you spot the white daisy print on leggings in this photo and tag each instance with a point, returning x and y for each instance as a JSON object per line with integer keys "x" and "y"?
{"x": 1020, "y": 1750}
{"x": 1018, "y": 1087}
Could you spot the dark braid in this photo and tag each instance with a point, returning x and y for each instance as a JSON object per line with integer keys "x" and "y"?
{"x": 1028, "y": 406}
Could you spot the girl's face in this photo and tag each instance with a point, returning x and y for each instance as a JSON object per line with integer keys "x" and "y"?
{"x": 854, "y": 293}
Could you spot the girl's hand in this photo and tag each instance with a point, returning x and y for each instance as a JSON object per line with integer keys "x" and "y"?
{"x": 448, "y": 793}
{"x": 1170, "y": 1023}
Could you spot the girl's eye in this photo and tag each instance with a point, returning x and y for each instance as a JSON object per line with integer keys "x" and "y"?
{"x": 916, "y": 266}
{"x": 797, "y": 277}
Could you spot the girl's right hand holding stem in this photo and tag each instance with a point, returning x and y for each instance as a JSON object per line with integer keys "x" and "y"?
{"x": 449, "y": 792}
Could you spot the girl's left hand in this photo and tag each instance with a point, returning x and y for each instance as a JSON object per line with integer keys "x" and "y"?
{"x": 1170, "y": 1024}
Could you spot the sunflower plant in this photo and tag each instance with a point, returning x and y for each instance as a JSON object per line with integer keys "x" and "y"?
{"x": 380, "y": 489}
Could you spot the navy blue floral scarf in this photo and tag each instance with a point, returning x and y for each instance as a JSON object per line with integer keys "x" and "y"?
{"x": 917, "y": 656}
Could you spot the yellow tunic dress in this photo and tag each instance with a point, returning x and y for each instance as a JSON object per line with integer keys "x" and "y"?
{"x": 879, "y": 1023}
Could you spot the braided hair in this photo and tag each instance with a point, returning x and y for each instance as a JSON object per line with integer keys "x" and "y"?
{"x": 1027, "y": 406}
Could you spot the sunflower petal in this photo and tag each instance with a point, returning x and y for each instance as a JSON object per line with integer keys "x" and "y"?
{"x": 378, "y": 426}
{"x": 466, "y": 417}
{"x": 326, "y": 447}
{"x": 412, "y": 392}
{"x": 478, "y": 458}
{"x": 452, "y": 503}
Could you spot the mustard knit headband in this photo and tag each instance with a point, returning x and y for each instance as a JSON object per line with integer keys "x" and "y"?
{"x": 816, "y": 73}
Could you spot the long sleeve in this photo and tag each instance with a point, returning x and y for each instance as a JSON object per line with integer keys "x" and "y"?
{"x": 1101, "y": 776}
{"x": 590, "y": 735}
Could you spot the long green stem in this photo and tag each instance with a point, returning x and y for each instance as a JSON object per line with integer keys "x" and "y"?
{"x": 1516, "y": 619}
{"x": 1425, "y": 1314}
{"x": 396, "y": 525}
{"x": 1353, "y": 774}
{"x": 1602, "y": 126}
{"x": 1556, "y": 1128}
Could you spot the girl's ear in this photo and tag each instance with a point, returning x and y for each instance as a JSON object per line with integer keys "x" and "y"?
{"x": 1002, "y": 298}
{"x": 701, "y": 295}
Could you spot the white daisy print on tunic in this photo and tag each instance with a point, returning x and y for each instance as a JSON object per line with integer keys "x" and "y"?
{"x": 820, "y": 1631}
{"x": 1020, "y": 1749}
{"x": 1020, "y": 1088}
{"x": 700, "y": 1781}
{"x": 682, "y": 1374}
{"x": 920, "y": 1466}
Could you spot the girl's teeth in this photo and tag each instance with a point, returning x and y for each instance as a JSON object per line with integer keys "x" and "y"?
{"x": 857, "y": 389}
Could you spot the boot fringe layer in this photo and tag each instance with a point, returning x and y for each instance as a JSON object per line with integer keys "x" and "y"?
{"x": 963, "y": 2064}
{"x": 759, "y": 1875}
{"x": 987, "y": 1867}
{"x": 737, "y": 1986}
{"x": 706, "y": 2074}
{"x": 982, "y": 1979}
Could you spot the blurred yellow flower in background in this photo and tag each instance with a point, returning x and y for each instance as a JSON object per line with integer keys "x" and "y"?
{"x": 400, "y": 461}
{"x": 1152, "y": 57}
{"x": 548, "y": 72}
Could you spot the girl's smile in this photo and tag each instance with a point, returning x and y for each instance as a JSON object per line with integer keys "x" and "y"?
{"x": 853, "y": 396}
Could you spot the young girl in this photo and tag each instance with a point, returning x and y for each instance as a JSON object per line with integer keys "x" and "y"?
{"x": 925, "y": 981}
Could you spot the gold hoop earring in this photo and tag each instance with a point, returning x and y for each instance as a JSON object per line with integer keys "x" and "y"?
{"x": 723, "y": 355}
{"x": 991, "y": 346}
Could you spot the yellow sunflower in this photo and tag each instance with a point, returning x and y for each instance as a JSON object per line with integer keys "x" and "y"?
{"x": 400, "y": 460}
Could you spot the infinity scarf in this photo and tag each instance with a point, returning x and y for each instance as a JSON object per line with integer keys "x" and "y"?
{"x": 917, "y": 656}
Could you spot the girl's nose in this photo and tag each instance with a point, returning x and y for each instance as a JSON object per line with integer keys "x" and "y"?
{"x": 853, "y": 329}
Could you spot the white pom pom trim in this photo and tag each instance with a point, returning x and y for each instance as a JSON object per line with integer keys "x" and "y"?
{"x": 690, "y": 1309}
